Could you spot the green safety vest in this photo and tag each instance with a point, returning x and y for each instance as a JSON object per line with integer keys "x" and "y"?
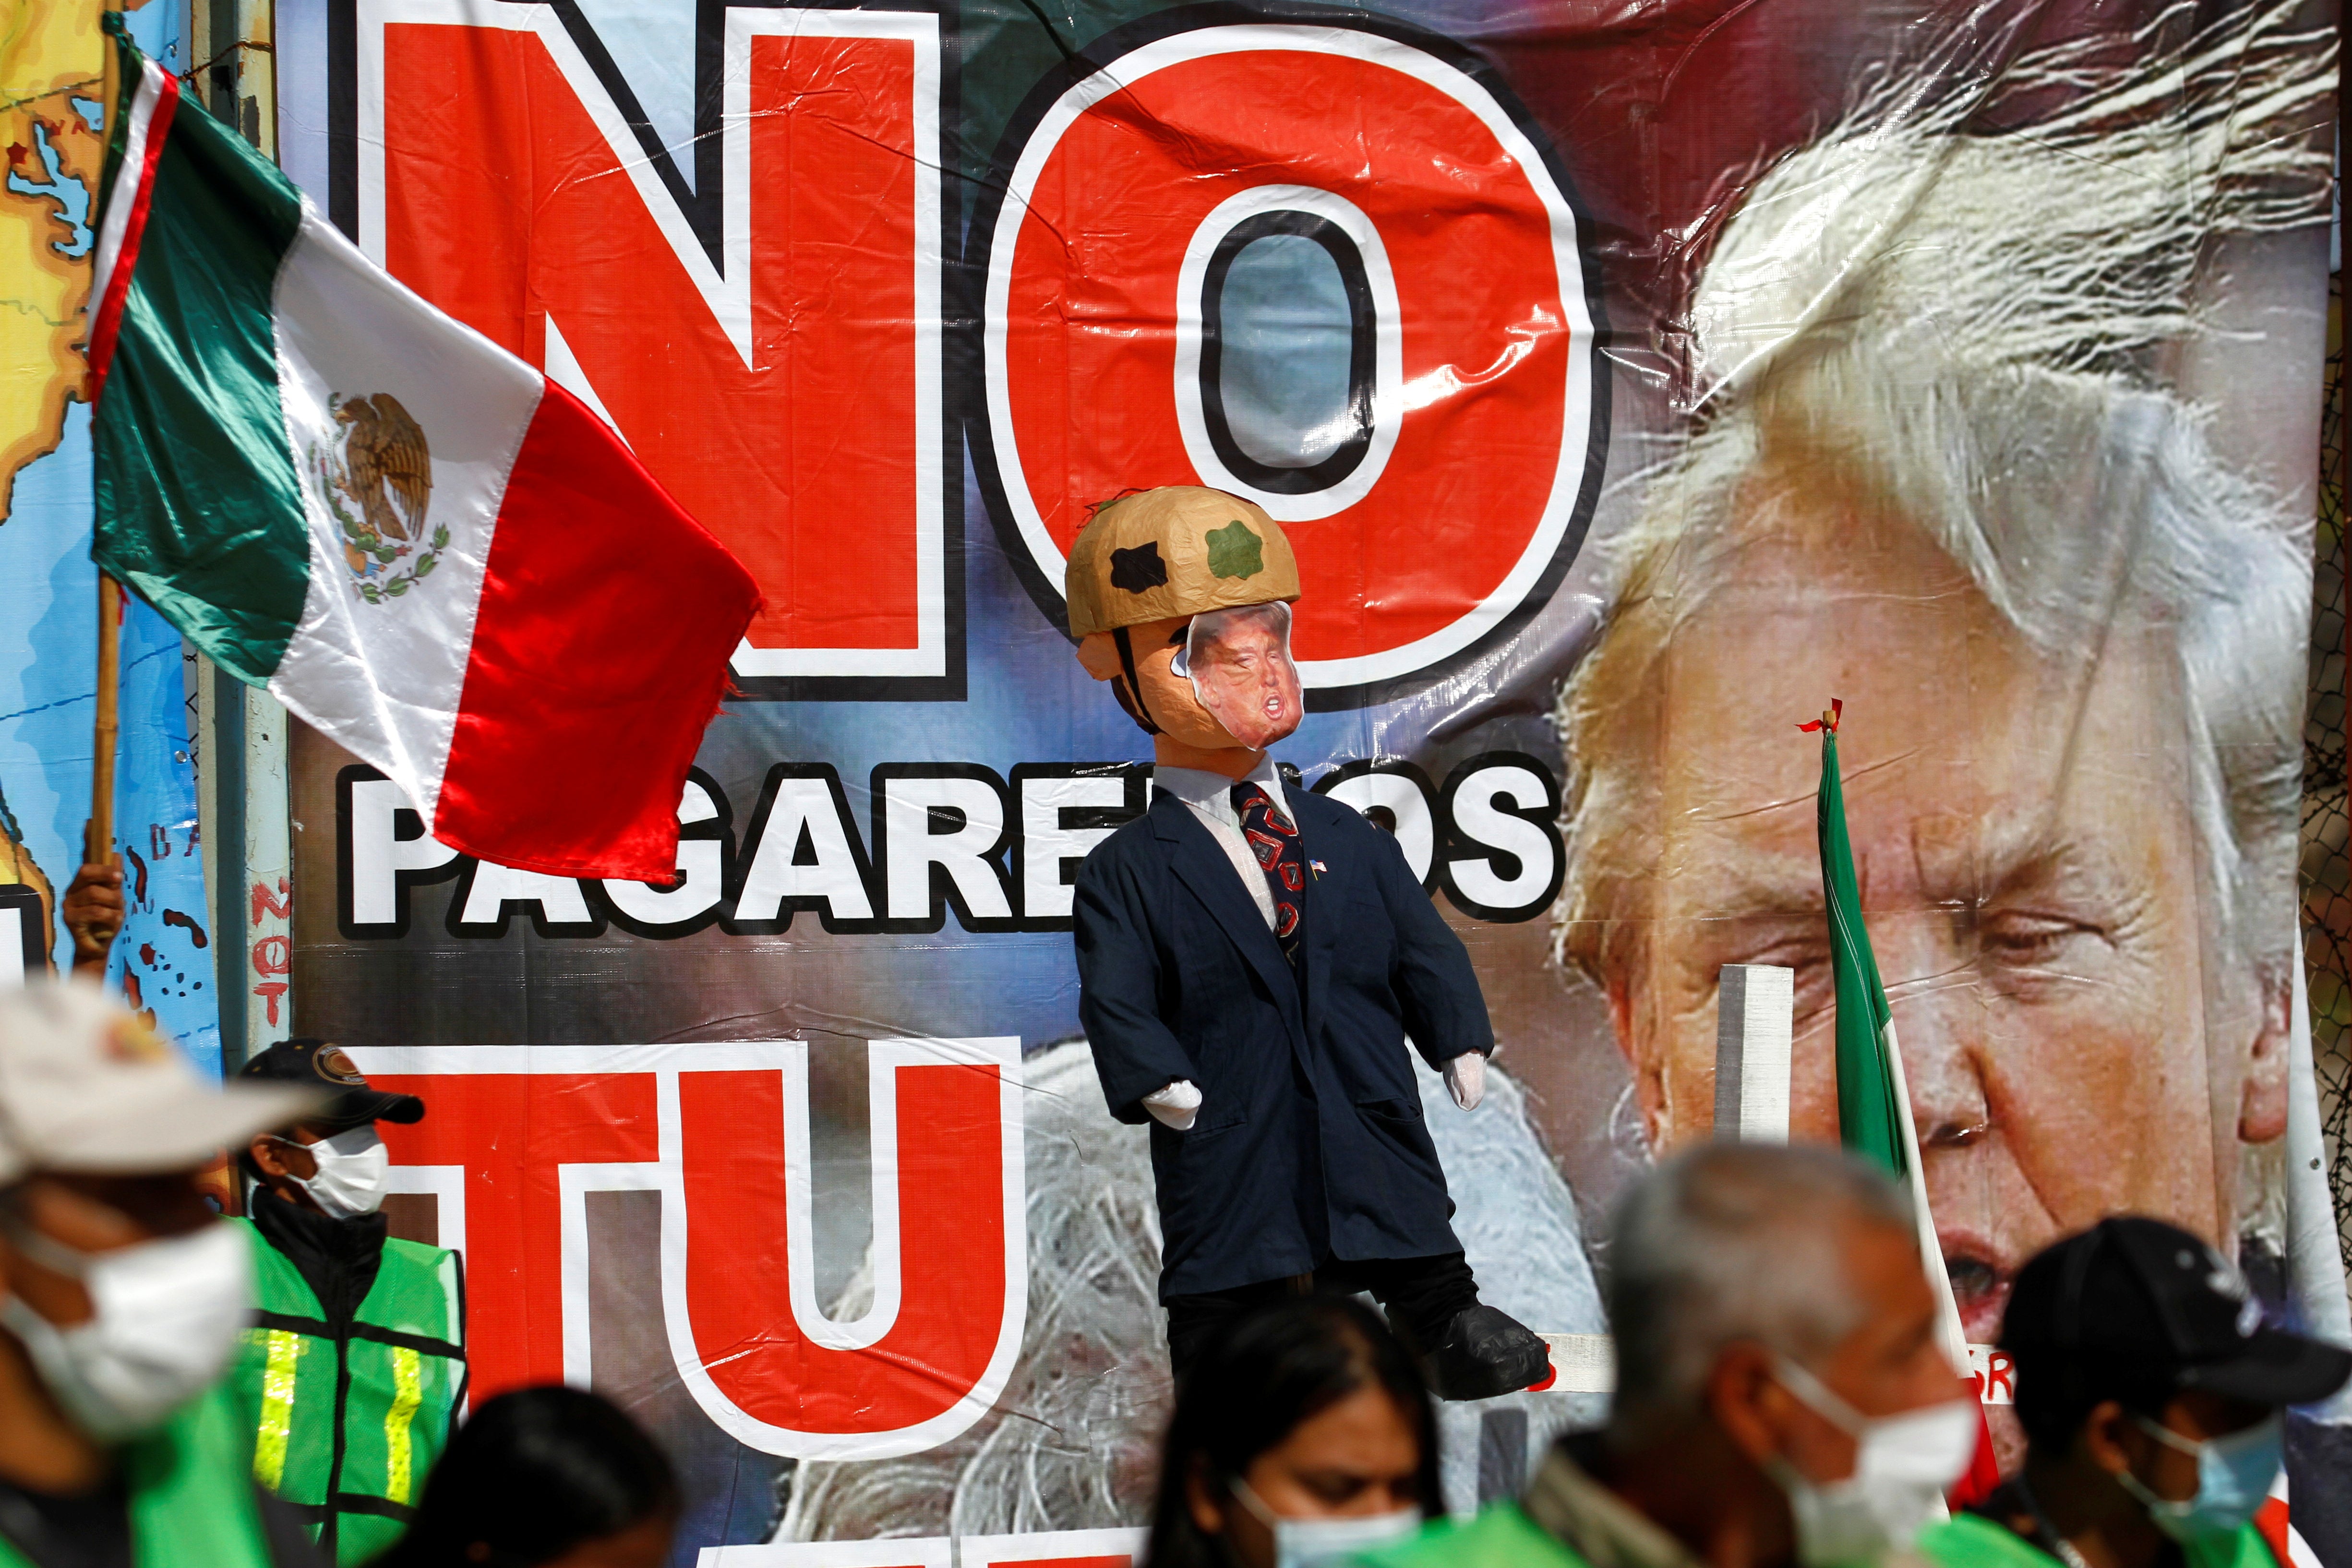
{"x": 191, "y": 1502}
{"x": 1971, "y": 1541}
{"x": 346, "y": 1426}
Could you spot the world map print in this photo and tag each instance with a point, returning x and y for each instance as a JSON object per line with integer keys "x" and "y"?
{"x": 52, "y": 125}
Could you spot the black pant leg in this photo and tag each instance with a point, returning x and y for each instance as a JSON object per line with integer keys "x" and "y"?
{"x": 1192, "y": 1320}
{"x": 1421, "y": 1295}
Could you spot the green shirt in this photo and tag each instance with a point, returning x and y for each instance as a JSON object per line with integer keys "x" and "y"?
{"x": 1501, "y": 1536}
{"x": 191, "y": 1502}
{"x": 1973, "y": 1542}
{"x": 1567, "y": 1520}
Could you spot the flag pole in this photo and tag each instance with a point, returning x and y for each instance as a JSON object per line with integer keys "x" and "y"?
{"x": 99, "y": 849}
{"x": 97, "y": 845}
{"x": 1948, "y": 1307}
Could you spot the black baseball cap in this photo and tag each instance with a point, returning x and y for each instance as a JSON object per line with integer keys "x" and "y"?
{"x": 2138, "y": 1295}
{"x": 318, "y": 1063}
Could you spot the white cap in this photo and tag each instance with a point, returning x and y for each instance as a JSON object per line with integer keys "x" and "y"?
{"x": 86, "y": 1086}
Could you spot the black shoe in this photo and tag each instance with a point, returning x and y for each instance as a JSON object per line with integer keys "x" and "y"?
{"x": 1486, "y": 1351}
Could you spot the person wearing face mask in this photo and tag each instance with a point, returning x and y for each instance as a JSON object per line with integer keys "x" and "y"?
{"x": 1782, "y": 1400}
{"x": 2153, "y": 1398}
{"x": 1302, "y": 1437}
{"x": 354, "y": 1372}
{"x": 121, "y": 1296}
{"x": 1253, "y": 959}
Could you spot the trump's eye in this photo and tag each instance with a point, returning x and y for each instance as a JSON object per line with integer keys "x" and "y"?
{"x": 2017, "y": 937}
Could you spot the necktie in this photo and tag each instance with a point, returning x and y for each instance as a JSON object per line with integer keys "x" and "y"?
{"x": 1274, "y": 840}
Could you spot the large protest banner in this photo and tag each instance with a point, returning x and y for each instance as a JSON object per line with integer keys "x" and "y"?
{"x": 1631, "y": 383}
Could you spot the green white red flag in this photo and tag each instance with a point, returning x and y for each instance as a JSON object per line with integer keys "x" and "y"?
{"x": 430, "y": 553}
{"x": 1873, "y": 1098}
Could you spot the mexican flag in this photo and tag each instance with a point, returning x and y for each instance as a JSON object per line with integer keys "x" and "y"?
{"x": 1873, "y": 1099}
{"x": 431, "y": 554}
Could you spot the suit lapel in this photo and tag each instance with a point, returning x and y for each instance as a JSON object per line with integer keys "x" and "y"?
{"x": 1200, "y": 863}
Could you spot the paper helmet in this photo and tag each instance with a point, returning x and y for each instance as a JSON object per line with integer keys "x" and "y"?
{"x": 1177, "y": 550}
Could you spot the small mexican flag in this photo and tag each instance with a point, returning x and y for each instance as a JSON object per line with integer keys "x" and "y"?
{"x": 427, "y": 550}
{"x": 1873, "y": 1098}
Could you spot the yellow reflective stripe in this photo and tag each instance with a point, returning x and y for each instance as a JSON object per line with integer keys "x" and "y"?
{"x": 408, "y": 1393}
{"x": 276, "y": 1407}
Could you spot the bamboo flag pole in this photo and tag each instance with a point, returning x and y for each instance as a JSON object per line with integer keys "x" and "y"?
{"x": 99, "y": 849}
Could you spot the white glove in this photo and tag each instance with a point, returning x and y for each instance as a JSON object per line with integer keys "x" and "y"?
{"x": 1466, "y": 1080}
{"x": 1176, "y": 1105}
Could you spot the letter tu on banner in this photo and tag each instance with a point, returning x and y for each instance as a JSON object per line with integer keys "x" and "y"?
{"x": 518, "y": 1135}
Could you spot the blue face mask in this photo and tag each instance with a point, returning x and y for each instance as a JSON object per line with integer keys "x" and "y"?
{"x": 1326, "y": 1542}
{"x": 2233, "y": 1475}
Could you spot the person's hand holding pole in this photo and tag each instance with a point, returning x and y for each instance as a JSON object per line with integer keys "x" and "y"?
{"x": 93, "y": 912}
{"x": 93, "y": 907}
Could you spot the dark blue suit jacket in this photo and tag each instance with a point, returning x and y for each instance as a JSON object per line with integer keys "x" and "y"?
{"x": 1309, "y": 1143}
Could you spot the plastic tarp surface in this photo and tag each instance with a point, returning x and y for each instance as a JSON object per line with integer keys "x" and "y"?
{"x": 1631, "y": 380}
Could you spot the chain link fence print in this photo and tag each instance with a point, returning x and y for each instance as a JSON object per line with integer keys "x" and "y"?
{"x": 2327, "y": 827}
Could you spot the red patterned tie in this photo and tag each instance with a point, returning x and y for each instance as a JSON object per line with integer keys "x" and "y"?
{"x": 1274, "y": 840}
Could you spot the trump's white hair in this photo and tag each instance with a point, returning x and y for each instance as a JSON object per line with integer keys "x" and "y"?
{"x": 1962, "y": 324}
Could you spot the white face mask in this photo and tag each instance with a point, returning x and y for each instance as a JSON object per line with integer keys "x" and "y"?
{"x": 349, "y": 1179}
{"x": 1306, "y": 1543}
{"x": 166, "y": 1316}
{"x": 1902, "y": 1465}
